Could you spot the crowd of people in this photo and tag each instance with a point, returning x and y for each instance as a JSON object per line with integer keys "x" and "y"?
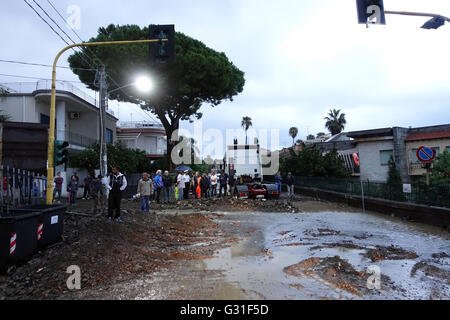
{"x": 159, "y": 187}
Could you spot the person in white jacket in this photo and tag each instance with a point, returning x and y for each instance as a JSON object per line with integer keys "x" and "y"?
{"x": 115, "y": 183}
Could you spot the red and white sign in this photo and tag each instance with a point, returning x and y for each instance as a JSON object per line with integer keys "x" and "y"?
{"x": 40, "y": 230}
{"x": 12, "y": 244}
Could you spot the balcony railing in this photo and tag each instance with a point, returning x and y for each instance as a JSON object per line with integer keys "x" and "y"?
{"x": 30, "y": 87}
{"x": 77, "y": 139}
{"x": 140, "y": 125}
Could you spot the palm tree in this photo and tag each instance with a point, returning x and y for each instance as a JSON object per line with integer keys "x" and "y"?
{"x": 335, "y": 121}
{"x": 293, "y": 133}
{"x": 246, "y": 124}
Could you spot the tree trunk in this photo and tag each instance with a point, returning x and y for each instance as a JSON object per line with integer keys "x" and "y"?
{"x": 169, "y": 127}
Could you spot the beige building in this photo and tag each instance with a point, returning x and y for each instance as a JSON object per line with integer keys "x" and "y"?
{"x": 438, "y": 141}
{"x": 77, "y": 114}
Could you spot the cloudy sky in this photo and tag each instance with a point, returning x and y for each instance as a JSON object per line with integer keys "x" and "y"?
{"x": 300, "y": 57}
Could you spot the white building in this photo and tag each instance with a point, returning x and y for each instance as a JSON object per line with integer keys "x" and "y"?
{"x": 77, "y": 114}
{"x": 144, "y": 135}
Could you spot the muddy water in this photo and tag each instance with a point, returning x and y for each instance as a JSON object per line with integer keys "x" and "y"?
{"x": 252, "y": 268}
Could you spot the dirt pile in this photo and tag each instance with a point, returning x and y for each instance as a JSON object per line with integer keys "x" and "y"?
{"x": 381, "y": 253}
{"x": 227, "y": 204}
{"x": 334, "y": 270}
{"x": 108, "y": 252}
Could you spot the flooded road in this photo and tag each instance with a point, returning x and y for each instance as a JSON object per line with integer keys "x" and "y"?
{"x": 322, "y": 253}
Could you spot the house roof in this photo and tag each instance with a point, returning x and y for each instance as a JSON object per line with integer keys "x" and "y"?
{"x": 370, "y": 133}
{"x": 429, "y": 135}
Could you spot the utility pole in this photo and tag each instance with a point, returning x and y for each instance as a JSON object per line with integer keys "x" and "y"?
{"x": 103, "y": 97}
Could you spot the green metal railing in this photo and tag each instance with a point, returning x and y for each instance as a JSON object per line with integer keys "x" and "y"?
{"x": 433, "y": 195}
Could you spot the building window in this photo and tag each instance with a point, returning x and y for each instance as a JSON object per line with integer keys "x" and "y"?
{"x": 447, "y": 148}
{"x": 437, "y": 149}
{"x": 109, "y": 136}
{"x": 385, "y": 156}
{"x": 414, "y": 158}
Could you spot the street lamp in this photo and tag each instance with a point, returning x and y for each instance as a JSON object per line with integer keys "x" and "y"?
{"x": 143, "y": 83}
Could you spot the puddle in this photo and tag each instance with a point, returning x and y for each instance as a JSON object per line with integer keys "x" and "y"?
{"x": 254, "y": 266}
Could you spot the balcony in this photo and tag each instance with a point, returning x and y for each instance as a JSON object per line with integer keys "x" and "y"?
{"x": 30, "y": 87}
{"x": 416, "y": 169}
{"x": 140, "y": 125}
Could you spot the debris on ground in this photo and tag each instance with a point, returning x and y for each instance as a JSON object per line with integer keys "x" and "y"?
{"x": 381, "y": 253}
{"x": 334, "y": 270}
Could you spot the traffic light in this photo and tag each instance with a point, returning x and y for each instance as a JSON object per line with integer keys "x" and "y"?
{"x": 370, "y": 11}
{"x": 60, "y": 152}
{"x": 162, "y": 51}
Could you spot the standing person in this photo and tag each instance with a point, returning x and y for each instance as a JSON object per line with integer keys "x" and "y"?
{"x": 278, "y": 181}
{"x": 72, "y": 188}
{"x": 231, "y": 182}
{"x": 167, "y": 183}
{"x": 290, "y": 184}
{"x": 187, "y": 184}
{"x": 145, "y": 189}
{"x": 76, "y": 176}
{"x": 223, "y": 180}
{"x": 181, "y": 185}
{"x": 58, "y": 186}
{"x": 158, "y": 185}
{"x": 204, "y": 186}
{"x": 86, "y": 185}
{"x": 196, "y": 185}
{"x": 213, "y": 184}
{"x": 96, "y": 193}
{"x": 115, "y": 183}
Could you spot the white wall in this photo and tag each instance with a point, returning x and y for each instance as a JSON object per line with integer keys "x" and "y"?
{"x": 369, "y": 158}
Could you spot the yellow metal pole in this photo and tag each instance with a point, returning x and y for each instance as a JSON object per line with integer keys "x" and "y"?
{"x": 51, "y": 133}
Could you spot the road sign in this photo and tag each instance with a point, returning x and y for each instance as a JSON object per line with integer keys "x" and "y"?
{"x": 426, "y": 154}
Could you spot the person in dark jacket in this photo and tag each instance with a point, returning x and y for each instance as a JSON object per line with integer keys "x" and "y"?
{"x": 223, "y": 181}
{"x": 96, "y": 193}
{"x": 290, "y": 184}
{"x": 204, "y": 186}
{"x": 72, "y": 188}
{"x": 86, "y": 185}
{"x": 167, "y": 182}
{"x": 278, "y": 181}
{"x": 115, "y": 183}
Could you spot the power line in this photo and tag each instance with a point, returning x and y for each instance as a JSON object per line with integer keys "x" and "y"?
{"x": 92, "y": 53}
{"x": 58, "y": 28}
{"x": 35, "y": 78}
{"x": 53, "y": 21}
{"x": 45, "y": 21}
{"x": 42, "y": 65}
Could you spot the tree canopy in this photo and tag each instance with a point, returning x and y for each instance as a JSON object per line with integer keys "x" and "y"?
{"x": 198, "y": 75}
{"x": 335, "y": 121}
{"x": 127, "y": 160}
{"x": 311, "y": 162}
{"x": 293, "y": 131}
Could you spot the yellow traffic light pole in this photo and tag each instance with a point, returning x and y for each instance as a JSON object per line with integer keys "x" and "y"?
{"x": 51, "y": 134}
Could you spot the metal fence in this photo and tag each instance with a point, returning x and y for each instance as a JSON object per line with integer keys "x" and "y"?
{"x": 21, "y": 187}
{"x": 433, "y": 195}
